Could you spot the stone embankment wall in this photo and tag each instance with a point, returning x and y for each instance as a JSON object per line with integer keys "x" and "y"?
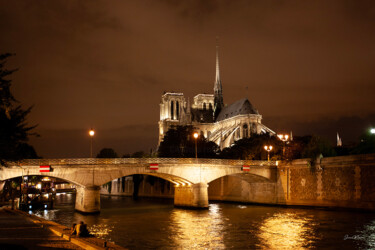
{"x": 347, "y": 182}
{"x": 332, "y": 182}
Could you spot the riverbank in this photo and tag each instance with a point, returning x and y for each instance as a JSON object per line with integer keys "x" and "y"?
{"x": 20, "y": 230}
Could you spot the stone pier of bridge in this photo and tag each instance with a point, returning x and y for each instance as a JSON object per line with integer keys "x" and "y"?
{"x": 88, "y": 199}
{"x": 192, "y": 196}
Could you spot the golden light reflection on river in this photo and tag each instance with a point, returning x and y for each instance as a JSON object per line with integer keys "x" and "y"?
{"x": 286, "y": 231}
{"x": 153, "y": 224}
{"x": 197, "y": 230}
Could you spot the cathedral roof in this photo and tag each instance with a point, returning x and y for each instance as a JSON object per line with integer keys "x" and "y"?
{"x": 240, "y": 107}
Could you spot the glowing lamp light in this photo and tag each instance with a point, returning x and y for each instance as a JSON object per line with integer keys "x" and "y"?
{"x": 91, "y": 132}
{"x": 196, "y": 135}
{"x": 268, "y": 148}
{"x": 283, "y": 137}
{"x": 372, "y": 131}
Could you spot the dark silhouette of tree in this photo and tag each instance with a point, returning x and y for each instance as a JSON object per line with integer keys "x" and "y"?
{"x": 253, "y": 148}
{"x": 366, "y": 144}
{"x": 179, "y": 142}
{"x": 309, "y": 146}
{"x": 14, "y": 131}
{"x": 107, "y": 153}
{"x": 139, "y": 154}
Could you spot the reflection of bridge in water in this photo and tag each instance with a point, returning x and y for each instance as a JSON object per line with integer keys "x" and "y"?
{"x": 190, "y": 176}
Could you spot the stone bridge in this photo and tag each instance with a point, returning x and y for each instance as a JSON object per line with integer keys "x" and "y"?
{"x": 190, "y": 176}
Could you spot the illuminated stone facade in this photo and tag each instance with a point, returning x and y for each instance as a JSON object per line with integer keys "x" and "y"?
{"x": 222, "y": 124}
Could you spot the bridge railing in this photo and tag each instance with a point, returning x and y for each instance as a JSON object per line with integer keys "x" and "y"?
{"x": 114, "y": 161}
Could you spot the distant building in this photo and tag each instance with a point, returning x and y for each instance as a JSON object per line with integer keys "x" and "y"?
{"x": 222, "y": 124}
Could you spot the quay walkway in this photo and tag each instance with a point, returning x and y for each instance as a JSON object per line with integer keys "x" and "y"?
{"x": 19, "y": 230}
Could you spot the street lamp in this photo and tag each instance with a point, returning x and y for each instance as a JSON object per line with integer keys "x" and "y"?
{"x": 372, "y": 130}
{"x": 196, "y": 137}
{"x": 268, "y": 149}
{"x": 91, "y": 133}
{"x": 196, "y": 156}
{"x": 283, "y": 138}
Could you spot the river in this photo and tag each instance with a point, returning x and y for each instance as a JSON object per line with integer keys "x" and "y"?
{"x": 155, "y": 223}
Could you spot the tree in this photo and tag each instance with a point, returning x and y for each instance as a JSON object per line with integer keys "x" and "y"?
{"x": 14, "y": 130}
{"x": 107, "y": 153}
{"x": 139, "y": 154}
{"x": 309, "y": 146}
{"x": 179, "y": 142}
{"x": 366, "y": 144}
{"x": 253, "y": 148}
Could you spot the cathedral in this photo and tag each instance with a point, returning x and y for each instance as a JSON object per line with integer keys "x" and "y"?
{"x": 222, "y": 124}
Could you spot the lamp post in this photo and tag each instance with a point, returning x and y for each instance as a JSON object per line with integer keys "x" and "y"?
{"x": 196, "y": 156}
{"x": 91, "y": 133}
{"x": 268, "y": 149}
{"x": 196, "y": 138}
{"x": 283, "y": 138}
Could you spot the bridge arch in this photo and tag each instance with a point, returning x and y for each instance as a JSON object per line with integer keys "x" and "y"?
{"x": 17, "y": 175}
{"x": 176, "y": 180}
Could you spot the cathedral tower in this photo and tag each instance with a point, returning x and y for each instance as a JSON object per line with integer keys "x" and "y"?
{"x": 218, "y": 91}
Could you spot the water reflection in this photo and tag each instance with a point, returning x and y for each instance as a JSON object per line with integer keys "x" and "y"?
{"x": 197, "y": 229}
{"x": 101, "y": 230}
{"x": 156, "y": 224}
{"x": 286, "y": 231}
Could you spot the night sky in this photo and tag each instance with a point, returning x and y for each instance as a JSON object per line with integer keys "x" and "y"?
{"x": 307, "y": 66}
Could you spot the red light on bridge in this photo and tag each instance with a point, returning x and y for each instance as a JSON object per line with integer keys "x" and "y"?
{"x": 154, "y": 166}
{"x": 46, "y": 168}
{"x": 245, "y": 168}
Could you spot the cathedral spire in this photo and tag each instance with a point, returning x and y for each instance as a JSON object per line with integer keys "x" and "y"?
{"x": 218, "y": 91}
{"x": 217, "y": 78}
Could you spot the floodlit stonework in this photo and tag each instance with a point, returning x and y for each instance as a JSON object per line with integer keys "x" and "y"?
{"x": 222, "y": 124}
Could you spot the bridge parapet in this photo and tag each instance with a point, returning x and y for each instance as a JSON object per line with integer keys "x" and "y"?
{"x": 114, "y": 161}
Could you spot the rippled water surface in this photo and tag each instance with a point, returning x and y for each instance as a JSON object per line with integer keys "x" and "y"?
{"x": 153, "y": 223}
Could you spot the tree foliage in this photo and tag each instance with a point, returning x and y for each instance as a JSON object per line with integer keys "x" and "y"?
{"x": 14, "y": 130}
{"x": 366, "y": 144}
{"x": 309, "y": 146}
{"x": 107, "y": 153}
{"x": 253, "y": 148}
{"x": 137, "y": 154}
{"x": 179, "y": 142}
